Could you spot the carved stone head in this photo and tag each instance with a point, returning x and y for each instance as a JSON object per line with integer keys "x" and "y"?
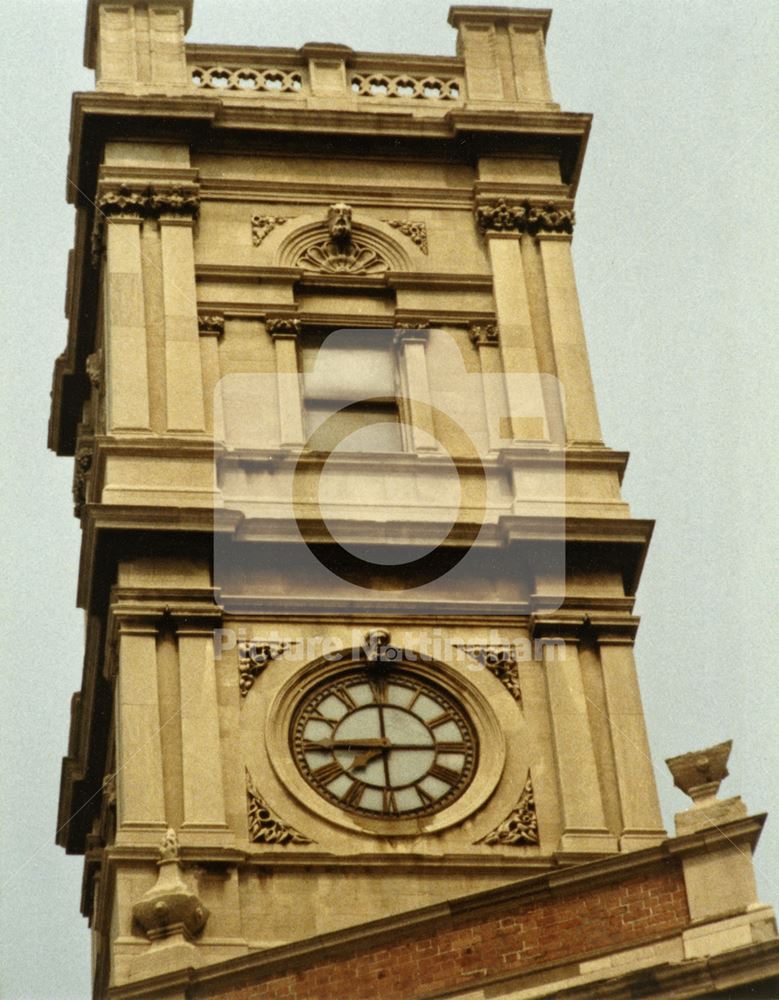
{"x": 339, "y": 222}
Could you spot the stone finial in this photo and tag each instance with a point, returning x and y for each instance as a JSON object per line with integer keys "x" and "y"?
{"x": 700, "y": 773}
{"x": 169, "y": 909}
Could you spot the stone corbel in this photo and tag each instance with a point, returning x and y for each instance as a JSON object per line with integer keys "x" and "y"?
{"x": 484, "y": 334}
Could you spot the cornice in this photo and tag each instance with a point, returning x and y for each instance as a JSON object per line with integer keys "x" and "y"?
{"x": 583, "y": 877}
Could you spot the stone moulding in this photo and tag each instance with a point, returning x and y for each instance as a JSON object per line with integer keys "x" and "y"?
{"x": 254, "y": 657}
{"x": 526, "y": 217}
{"x": 520, "y": 827}
{"x": 500, "y": 661}
{"x": 416, "y": 232}
{"x": 263, "y": 225}
{"x": 264, "y": 826}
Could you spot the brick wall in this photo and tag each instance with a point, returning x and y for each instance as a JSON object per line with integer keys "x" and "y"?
{"x": 470, "y": 947}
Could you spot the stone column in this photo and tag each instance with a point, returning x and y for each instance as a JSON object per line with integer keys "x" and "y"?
{"x": 486, "y": 340}
{"x": 499, "y": 223}
{"x": 211, "y": 328}
{"x": 413, "y": 349}
{"x": 570, "y": 348}
{"x": 139, "y": 775}
{"x": 177, "y": 207}
{"x": 581, "y": 803}
{"x": 285, "y": 333}
{"x": 642, "y": 824}
{"x": 201, "y": 750}
{"x": 119, "y": 215}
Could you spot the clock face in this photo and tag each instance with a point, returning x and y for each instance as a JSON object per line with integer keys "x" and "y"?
{"x": 384, "y": 742}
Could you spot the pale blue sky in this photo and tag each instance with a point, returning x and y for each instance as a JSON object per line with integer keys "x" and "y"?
{"x": 676, "y": 260}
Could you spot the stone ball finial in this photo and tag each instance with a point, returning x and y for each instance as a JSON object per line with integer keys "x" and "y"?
{"x": 700, "y": 773}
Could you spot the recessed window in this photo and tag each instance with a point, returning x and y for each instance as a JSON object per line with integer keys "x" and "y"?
{"x": 349, "y": 386}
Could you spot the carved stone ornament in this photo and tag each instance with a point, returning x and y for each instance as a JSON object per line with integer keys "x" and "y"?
{"x": 212, "y": 325}
{"x": 700, "y": 773}
{"x": 264, "y": 826}
{"x": 263, "y": 225}
{"x": 254, "y": 657}
{"x": 123, "y": 200}
{"x": 81, "y": 467}
{"x": 484, "y": 335}
{"x": 94, "y": 369}
{"x": 283, "y": 327}
{"x": 377, "y": 647}
{"x": 341, "y": 253}
{"x": 170, "y": 909}
{"x": 416, "y": 232}
{"x": 141, "y": 201}
{"x": 500, "y": 661}
{"x": 525, "y": 218}
{"x": 520, "y": 827}
{"x": 174, "y": 199}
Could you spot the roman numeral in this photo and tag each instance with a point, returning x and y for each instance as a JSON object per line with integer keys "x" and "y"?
{"x": 444, "y": 774}
{"x": 353, "y": 796}
{"x": 328, "y": 772}
{"x": 389, "y": 805}
{"x": 318, "y": 717}
{"x": 342, "y": 694}
{"x": 427, "y": 799}
{"x": 379, "y": 690}
{"x": 451, "y": 747}
{"x": 439, "y": 720}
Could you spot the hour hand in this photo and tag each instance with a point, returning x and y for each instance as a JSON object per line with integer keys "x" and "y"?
{"x": 363, "y": 744}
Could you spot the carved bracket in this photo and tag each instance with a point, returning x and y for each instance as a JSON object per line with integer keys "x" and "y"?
{"x": 484, "y": 335}
{"x": 526, "y": 217}
{"x": 263, "y": 225}
{"x": 283, "y": 326}
{"x": 254, "y": 657}
{"x": 416, "y": 232}
{"x": 170, "y": 909}
{"x": 520, "y": 827}
{"x": 211, "y": 325}
{"x": 264, "y": 826}
{"x": 500, "y": 661}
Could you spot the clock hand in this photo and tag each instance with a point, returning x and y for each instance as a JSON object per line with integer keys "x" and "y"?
{"x": 366, "y": 743}
{"x": 362, "y": 759}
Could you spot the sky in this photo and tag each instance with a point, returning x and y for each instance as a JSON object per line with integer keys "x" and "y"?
{"x": 675, "y": 254}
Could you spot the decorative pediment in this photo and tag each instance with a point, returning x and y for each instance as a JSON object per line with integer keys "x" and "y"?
{"x": 342, "y": 245}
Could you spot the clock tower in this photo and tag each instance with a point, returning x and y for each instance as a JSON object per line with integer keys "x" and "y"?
{"x": 357, "y": 572}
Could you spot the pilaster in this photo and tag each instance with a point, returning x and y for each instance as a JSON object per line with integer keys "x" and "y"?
{"x": 413, "y": 349}
{"x": 285, "y": 332}
{"x": 581, "y": 802}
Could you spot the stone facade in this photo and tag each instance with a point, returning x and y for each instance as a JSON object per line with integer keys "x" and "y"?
{"x": 236, "y": 207}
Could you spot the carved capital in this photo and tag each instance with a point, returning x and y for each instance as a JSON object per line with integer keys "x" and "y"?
{"x": 520, "y": 827}
{"x": 700, "y": 773}
{"x": 416, "y": 232}
{"x": 411, "y": 332}
{"x": 283, "y": 326}
{"x": 211, "y": 325}
{"x": 263, "y": 225}
{"x": 484, "y": 335}
{"x": 94, "y": 369}
{"x": 81, "y": 468}
{"x": 526, "y": 217}
{"x": 124, "y": 200}
{"x": 177, "y": 200}
{"x": 265, "y": 827}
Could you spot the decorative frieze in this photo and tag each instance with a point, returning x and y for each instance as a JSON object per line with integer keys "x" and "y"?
{"x": 254, "y": 657}
{"x": 430, "y": 88}
{"x": 416, "y": 232}
{"x": 520, "y": 827}
{"x": 263, "y": 225}
{"x": 484, "y": 334}
{"x": 283, "y": 326}
{"x": 247, "y": 79}
{"x": 211, "y": 325}
{"x": 526, "y": 217}
{"x": 500, "y": 661}
{"x": 264, "y": 826}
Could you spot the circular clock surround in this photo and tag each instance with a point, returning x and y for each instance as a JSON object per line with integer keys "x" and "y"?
{"x": 384, "y": 743}
{"x": 484, "y": 738}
